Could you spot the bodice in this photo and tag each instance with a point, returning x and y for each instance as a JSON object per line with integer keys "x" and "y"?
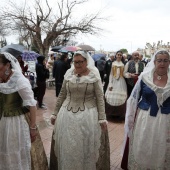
{"x": 117, "y": 69}
{"x": 79, "y": 95}
{"x": 11, "y": 105}
{"x": 149, "y": 100}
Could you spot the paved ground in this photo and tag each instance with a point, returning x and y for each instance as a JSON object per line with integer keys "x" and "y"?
{"x": 115, "y": 127}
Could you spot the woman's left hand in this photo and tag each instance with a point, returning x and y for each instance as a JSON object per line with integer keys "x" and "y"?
{"x": 103, "y": 126}
{"x": 33, "y": 134}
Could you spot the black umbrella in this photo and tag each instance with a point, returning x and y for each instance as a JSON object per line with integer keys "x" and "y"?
{"x": 56, "y": 48}
{"x": 14, "y": 49}
{"x": 85, "y": 47}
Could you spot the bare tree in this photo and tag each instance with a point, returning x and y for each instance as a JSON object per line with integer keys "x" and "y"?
{"x": 50, "y": 24}
{"x": 24, "y": 35}
{"x": 3, "y": 28}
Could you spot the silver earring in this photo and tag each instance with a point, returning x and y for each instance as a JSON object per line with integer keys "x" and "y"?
{"x": 7, "y": 72}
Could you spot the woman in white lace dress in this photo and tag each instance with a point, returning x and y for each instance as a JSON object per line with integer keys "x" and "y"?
{"x": 116, "y": 93}
{"x": 80, "y": 139}
{"x": 148, "y": 117}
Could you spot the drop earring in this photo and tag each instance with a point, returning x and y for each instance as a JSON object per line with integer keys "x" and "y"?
{"x": 7, "y": 72}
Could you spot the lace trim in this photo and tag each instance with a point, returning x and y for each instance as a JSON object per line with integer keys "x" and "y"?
{"x": 29, "y": 102}
{"x": 16, "y": 82}
{"x": 83, "y": 136}
{"x": 90, "y": 78}
{"x": 53, "y": 116}
{"x": 103, "y": 121}
{"x": 28, "y": 143}
{"x": 22, "y": 158}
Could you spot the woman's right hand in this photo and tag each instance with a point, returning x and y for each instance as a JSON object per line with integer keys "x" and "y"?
{"x": 134, "y": 76}
{"x": 110, "y": 88}
{"x": 53, "y": 118}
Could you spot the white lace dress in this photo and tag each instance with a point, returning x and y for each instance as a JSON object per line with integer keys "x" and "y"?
{"x": 15, "y": 141}
{"x": 118, "y": 95}
{"x": 78, "y": 134}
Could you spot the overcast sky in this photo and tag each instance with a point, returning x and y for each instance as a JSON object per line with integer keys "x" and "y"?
{"x": 131, "y": 23}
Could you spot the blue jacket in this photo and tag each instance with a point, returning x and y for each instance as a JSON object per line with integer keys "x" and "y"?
{"x": 149, "y": 100}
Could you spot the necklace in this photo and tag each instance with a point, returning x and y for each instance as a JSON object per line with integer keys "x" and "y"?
{"x": 78, "y": 78}
{"x": 79, "y": 75}
{"x": 159, "y": 77}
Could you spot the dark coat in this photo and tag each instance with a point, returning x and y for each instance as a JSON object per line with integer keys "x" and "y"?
{"x": 59, "y": 69}
{"x": 41, "y": 70}
{"x": 108, "y": 67}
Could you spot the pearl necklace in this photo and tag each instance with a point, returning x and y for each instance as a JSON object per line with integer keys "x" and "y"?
{"x": 159, "y": 77}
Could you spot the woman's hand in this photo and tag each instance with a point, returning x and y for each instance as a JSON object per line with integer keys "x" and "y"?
{"x": 33, "y": 134}
{"x": 134, "y": 76}
{"x": 53, "y": 118}
{"x": 110, "y": 88}
{"x": 103, "y": 126}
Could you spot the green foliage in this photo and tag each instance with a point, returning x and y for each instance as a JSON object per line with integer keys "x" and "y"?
{"x": 124, "y": 50}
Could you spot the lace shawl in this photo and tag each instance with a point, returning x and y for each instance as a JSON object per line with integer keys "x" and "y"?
{"x": 18, "y": 83}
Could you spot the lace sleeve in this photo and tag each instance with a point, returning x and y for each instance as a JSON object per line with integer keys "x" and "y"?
{"x": 25, "y": 91}
{"x": 100, "y": 100}
{"x": 61, "y": 98}
{"x": 27, "y": 97}
{"x": 131, "y": 107}
{"x": 111, "y": 76}
{"x": 126, "y": 73}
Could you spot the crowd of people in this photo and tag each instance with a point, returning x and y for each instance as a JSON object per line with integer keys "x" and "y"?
{"x": 87, "y": 92}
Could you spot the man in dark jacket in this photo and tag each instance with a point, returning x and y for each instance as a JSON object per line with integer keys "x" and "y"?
{"x": 133, "y": 69}
{"x": 42, "y": 74}
{"x": 107, "y": 70}
{"x": 100, "y": 64}
{"x": 59, "y": 69}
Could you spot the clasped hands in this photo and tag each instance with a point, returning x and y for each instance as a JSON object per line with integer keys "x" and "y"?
{"x": 132, "y": 75}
